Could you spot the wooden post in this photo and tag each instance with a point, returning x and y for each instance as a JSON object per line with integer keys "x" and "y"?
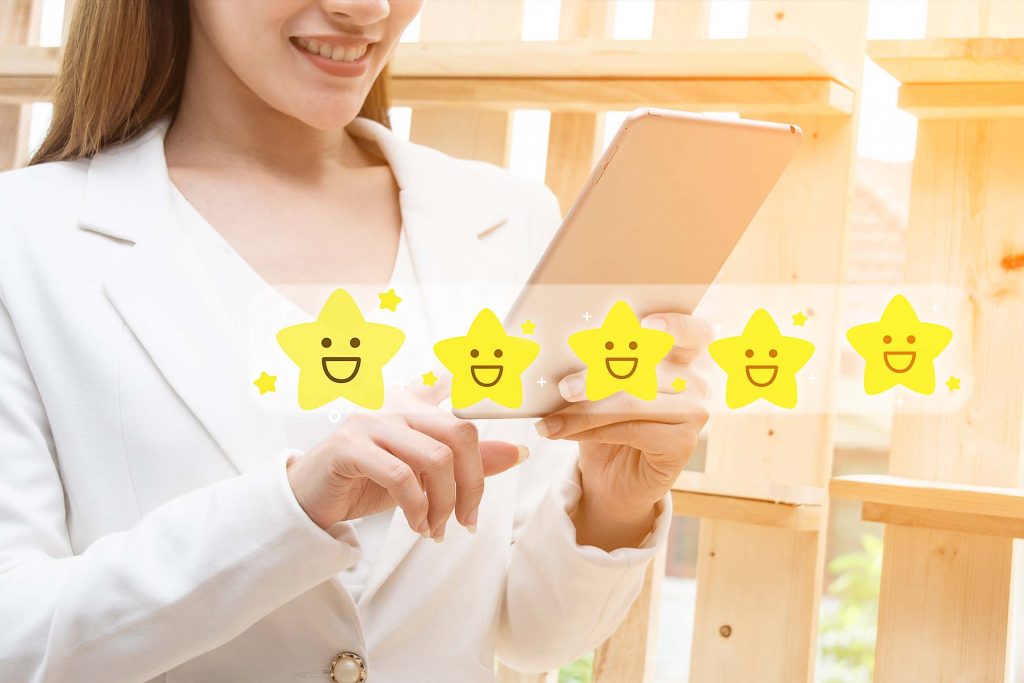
{"x": 19, "y": 25}
{"x": 468, "y": 133}
{"x": 946, "y": 595}
{"x": 758, "y": 588}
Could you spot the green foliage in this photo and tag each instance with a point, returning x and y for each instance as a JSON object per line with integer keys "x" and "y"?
{"x": 848, "y": 625}
{"x": 577, "y": 672}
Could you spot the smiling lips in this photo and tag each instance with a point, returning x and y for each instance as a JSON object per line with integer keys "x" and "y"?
{"x": 350, "y": 363}
{"x": 486, "y": 372}
{"x": 621, "y": 367}
{"x": 772, "y": 371}
{"x": 907, "y": 357}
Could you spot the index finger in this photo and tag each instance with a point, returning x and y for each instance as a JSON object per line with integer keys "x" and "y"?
{"x": 692, "y": 334}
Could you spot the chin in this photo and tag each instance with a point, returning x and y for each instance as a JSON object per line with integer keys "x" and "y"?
{"x": 328, "y": 116}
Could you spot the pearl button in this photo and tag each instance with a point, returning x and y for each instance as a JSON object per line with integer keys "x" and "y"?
{"x": 348, "y": 667}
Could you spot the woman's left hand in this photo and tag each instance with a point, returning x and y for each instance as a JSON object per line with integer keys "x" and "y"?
{"x": 631, "y": 450}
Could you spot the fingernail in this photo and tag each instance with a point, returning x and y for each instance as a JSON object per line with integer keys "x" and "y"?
{"x": 438, "y": 539}
{"x": 548, "y": 426}
{"x": 570, "y": 387}
{"x": 471, "y": 528}
{"x": 471, "y": 519}
{"x": 425, "y": 534}
{"x": 655, "y": 323}
{"x": 523, "y": 454}
{"x": 424, "y": 528}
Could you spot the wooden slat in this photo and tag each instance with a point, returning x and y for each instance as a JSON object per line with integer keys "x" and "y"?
{"x": 758, "y": 588}
{"x": 748, "y": 58}
{"x": 945, "y": 598}
{"x": 754, "y": 490}
{"x": 975, "y": 18}
{"x": 946, "y": 520}
{"x": 19, "y": 26}
{"x": 796, "y": 97}
{"x": 27, "y": 73}
{"x": 954, "y": 497}
{"x": 951, "y": 60}
{"x": 674, "y": 20}
{"x": 963, "y": 100}
{"x": 755, "y": 513}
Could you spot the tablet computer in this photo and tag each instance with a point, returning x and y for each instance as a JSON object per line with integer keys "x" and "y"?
{"x": 655, "y": 222}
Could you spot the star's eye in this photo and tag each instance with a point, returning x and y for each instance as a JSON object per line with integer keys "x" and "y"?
{"x": 632, "y": 346}
{"x": 911, "y": 339}
{"x": 749, "y": 353}
{"x": 772, "y": 353}
{"x": 609, "y": 346}
{"x": 887, "y": 339}
{"x": 325, "y": 342}
{"x": 497, "y": 353}
{"x": 474, "y": 353}
{"x": 354, "y": 342}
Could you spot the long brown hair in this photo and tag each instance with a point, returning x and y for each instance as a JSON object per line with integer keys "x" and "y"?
{"x": 123, "y": 68}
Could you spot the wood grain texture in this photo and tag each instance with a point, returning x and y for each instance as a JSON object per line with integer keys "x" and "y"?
{"x": 968, "y": 187}
{"x": 765, "y": 583}
{"x": 951, "y": 60}
{"x": 946, "y": 520}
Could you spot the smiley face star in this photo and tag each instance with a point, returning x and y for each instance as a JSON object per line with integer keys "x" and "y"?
{"x": 899, "y": 349}
{"x": 340, "y": 354}
{"x": 620, "y": 355}
{"x": 486, "y": 363}
{"x": 761, "y": 363}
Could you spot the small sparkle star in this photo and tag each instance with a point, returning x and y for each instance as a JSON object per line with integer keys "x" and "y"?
{"x": 389, "y": 300}
{"x": 528, "y": 327}
{"x": 265, "y": 383}
{"x": 799, "y": 318}
{"x": 429, "y": 378}
{"x": 953, "y": 383}
{"x": 679, "y": 384}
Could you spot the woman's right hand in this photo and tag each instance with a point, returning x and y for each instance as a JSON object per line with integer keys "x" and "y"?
{"x": 411, "y": 454}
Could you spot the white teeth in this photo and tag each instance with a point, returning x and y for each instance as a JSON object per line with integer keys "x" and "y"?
{"x": 335, "y": 53}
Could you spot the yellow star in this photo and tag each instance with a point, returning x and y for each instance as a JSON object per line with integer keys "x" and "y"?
{"x": 340, "y": 354}
{"x": 486, "y": 363}
{"x": 899, "y": 349}
{"x": 620, "y": 355}
{"x": 799, "y": 318}
{"x": 429, "y": 378}
{"x": 761, "y": 363}
{"x": 266, "y": 383}
{"x": 953, "y": 383}
{"x": 389, "y": 300}
{"x": 528, "y": 327}
{"x": 679, "y": 384}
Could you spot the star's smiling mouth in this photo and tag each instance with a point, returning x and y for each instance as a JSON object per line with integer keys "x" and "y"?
{"x": 625, "y": 366}
{"x": 760, "y": 371}
{"x": 486, "y": 371}
{"x": 902, "y": 355}
{"x": 350, "y": 363}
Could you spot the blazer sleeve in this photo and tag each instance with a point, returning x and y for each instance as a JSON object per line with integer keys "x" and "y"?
{"x": 136, "y": 603}
{"x": 561, "y": 599}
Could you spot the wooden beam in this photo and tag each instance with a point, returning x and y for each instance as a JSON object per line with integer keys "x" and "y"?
{"x": 951, "y": 60}
{"x": 963, "y": 100}
{"x": 996, "y": 501}
{"x": 19, "y": 26}
{"x": 946, "y": 520}
{"x": 754, "y": 96}
{"x": 748, "y": 58}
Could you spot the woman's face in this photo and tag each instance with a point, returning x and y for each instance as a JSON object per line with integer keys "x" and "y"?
{"x": 314, "y": 60}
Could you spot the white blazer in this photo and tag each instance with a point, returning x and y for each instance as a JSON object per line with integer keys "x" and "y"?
{"x": 147, "y": 529}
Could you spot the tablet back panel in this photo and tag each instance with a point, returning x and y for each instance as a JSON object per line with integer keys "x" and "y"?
{"x": 654, "y": 224}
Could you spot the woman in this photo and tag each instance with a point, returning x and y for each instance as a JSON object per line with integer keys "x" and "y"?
{"x": 157, "y": 522}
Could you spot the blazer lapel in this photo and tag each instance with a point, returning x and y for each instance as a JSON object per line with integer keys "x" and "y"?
{"x": 447, "y": 208}
{"x": 167, "y": 299}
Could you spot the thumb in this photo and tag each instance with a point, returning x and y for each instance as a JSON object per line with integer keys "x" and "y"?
{"x": 498, "y": 456}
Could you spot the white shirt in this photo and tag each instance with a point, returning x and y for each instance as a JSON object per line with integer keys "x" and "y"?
{"x": 304, "y": 429}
